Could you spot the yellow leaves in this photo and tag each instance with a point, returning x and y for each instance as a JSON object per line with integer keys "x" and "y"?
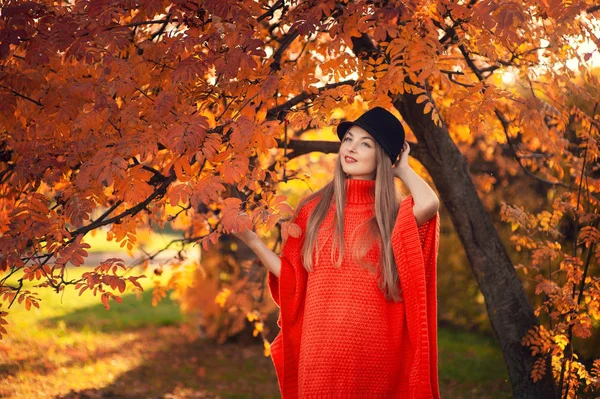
{"x": 267, "y": 345}
{"x": 561, "y": 340}
{"x": 221, "y": 298}
{"x": 258, "y": 328}
{"x": 252, "y": 316}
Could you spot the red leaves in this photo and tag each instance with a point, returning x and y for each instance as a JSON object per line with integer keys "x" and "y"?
{"x": 189, "y": 69}
{"x": 164, "y": 103}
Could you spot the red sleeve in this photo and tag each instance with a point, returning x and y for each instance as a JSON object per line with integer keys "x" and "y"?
{"x": 290, "y": 262}
{"x": 415, "y": 250}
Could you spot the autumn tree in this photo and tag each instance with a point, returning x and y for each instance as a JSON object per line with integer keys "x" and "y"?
{"x": 156, "y": 112}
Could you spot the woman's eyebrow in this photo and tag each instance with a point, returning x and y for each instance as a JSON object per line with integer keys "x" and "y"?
{"x": 364, "y": 137}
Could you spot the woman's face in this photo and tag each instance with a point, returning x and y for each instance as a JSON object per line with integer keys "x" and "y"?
{"x": 359, "y": 145}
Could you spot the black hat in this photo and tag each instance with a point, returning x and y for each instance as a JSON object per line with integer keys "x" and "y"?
{"x": 385, "y": 128}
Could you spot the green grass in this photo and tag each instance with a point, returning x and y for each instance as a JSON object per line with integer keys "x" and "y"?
{"x": 471, "y": 365}
{"x": 74, "y": 347}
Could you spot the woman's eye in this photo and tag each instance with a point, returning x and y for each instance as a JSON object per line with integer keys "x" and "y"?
{"x": 366, "y": 144}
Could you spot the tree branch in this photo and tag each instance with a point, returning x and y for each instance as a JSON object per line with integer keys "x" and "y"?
{"x": 16, "y": 93}
{"x": 275, "y": 112}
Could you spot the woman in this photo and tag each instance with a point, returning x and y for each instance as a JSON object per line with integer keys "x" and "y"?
{"x": 357, "y": 288}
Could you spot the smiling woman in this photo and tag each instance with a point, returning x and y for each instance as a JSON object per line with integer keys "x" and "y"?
{"x": 356, "y": 283}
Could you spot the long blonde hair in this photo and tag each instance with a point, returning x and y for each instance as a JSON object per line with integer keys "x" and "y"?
{"x": 379, "y": 227}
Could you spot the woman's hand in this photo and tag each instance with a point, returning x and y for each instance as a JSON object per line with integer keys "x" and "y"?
{"x": 247, "y": 235}
{"x": 402, "y": 164}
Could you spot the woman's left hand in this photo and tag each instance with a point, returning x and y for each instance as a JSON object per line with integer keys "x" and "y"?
{"x": 402, "y": 163}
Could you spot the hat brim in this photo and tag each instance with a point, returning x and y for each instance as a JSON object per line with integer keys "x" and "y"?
{"x": 342, "y": 128}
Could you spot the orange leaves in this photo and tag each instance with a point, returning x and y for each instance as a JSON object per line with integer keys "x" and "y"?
{"x": 36, "y": 272}
{"x": 2, "y": 323}
{"x": 538, "y": 339}
{"x": 430, "y": 107}
{"x": 78, "y": 209}
{"x": 233, "y": 169}
{"x": 546, "y": 286}
{"x": 73, "y": 253}
{"x": 29, "y": 300}
{"x": 187, "y": 135}
{"x": 30, "y": 209}
{"x": 165, "y": 102}
{"x": 179, "y": 194}
{"x": 189, "y": 69}
{"x": 158, "y": 293}
{"x": 207, "y": 189}
{"x": 231, "y": 217}
{"x": 134, "y": 188}
{"x": 105, "y": 276}
{"x": 589, "y": 235}
{"x": 103, "y": 169}
{"x": 539, "y": 369}
{"x": 9, "y": 295}
{"x": 290, "y": 229}
{"x": 210, "y": 147}
{"x": 123, "y": 232}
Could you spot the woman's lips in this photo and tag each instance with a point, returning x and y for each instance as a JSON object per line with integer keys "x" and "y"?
{"x": 349, "y": 159}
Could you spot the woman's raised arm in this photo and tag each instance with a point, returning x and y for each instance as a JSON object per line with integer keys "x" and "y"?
{"x": 271, "y": 260}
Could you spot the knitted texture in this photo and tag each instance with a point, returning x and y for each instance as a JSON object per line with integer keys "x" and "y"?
{"x": 339, "y": 337}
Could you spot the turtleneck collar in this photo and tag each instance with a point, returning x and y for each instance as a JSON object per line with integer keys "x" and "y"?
{"x": 360, "y": 191}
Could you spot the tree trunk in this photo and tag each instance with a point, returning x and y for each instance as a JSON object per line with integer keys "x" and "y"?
{"x": 508, "y": 308}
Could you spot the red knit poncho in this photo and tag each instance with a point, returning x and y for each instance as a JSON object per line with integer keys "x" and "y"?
{"x": 339, "y": 337}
